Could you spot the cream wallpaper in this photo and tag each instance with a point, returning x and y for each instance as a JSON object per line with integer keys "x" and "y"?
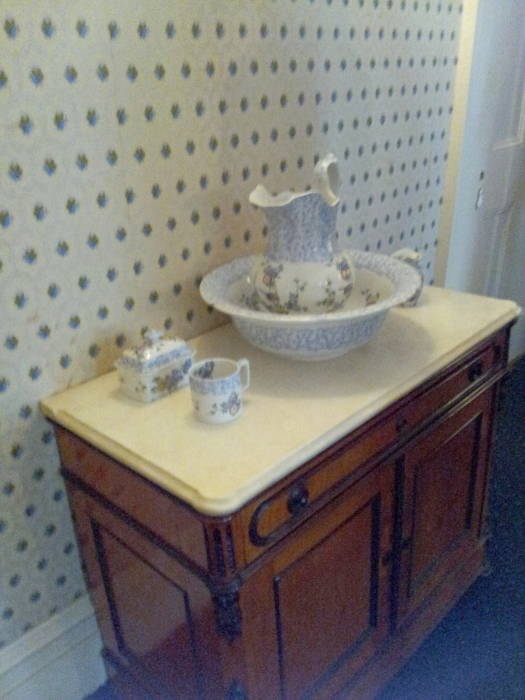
{"x": 132, "y": 132}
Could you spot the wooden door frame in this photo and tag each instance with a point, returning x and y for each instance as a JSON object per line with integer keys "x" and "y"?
{"x": 457, "y": 129}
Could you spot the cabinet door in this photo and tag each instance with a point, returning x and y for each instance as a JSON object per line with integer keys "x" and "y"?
{"x": 444, "y": 489}
{"x": 323, "y": 601}
{"x": 156, "y": 618}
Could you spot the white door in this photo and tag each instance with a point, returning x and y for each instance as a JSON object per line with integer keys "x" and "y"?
{"x": 486, "y": 246}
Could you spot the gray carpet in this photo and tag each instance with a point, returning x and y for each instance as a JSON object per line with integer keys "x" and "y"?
{"x": 478, "y": 650}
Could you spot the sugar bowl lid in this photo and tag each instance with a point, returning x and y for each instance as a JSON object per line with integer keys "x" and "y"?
{"x": 156, "y": 351}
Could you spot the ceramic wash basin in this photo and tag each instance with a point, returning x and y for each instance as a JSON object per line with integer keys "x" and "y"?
{"x": 381, "y": 283}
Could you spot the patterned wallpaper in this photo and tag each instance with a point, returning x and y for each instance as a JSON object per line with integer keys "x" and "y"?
{"x": 131, "y": 135}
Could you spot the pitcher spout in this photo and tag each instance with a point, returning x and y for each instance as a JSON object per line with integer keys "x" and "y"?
{"x": 262, "y": 198}
{"x": 326, "y": 183}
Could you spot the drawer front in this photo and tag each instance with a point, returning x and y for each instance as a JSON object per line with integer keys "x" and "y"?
{"x": 469, "y": 375}
{"x": 268, "y": 519}
{"x": 124, "y": 490}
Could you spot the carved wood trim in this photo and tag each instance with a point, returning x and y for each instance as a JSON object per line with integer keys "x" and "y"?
{"x": 228, "y": 616}
{"x": 96, "y": 530}
{"x": 220, "y": 547}
{"x": 397, "y": 537}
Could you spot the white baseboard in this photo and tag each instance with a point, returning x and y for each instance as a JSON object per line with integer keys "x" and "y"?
{"x": 58, "y": 660}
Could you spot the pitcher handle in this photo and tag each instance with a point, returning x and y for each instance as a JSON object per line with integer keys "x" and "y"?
{"x": 412, "y": 258}
{"x": 327, "y": 178}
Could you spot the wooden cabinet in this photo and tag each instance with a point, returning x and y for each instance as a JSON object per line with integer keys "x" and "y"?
{"x": 444, "y": 474}
{"x": 326, "y": 590}
{"x": 320, "y": 586}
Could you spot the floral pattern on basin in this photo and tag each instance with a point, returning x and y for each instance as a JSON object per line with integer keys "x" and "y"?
{"x": 381, "y": 283}
{"x": 303, "y": 287}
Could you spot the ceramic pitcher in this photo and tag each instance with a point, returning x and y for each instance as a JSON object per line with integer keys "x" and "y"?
{"x": 300, "y": 272}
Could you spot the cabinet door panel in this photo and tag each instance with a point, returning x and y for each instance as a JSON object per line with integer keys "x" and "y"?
{"x": 164, "y": 646}
{"x": 156, "y": 618}
{"x": 328, "y": 591}
{"x": 335, "y": 585}
{"x": 445, "y": 474}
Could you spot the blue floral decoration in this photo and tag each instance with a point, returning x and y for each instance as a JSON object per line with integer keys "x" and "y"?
{"x": 60, "y": 120}
{"x": 11, "y": 28}
{"x": 25, "y": 124}
{"x": 49, "y": 166}
{"x": 82, "y": 28}
{"x": 36, "y": 76}
{"x": 39, "y": 212}
{"x": 82, "y": 161}
{"x": 48, "y": 28}
{"x": 72, "y": 205}
{"x": 15, "y": 172}
{"x": 71, "y": 74}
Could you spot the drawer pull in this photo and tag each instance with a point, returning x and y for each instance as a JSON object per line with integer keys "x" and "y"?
{"x": 297, "y": 500}
{"x": 475, "y": 371}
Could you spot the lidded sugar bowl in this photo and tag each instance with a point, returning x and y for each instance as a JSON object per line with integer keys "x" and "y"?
{"x": 155, "y": 368}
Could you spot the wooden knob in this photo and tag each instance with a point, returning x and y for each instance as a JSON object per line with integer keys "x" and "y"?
{"x": 297, "y": 499}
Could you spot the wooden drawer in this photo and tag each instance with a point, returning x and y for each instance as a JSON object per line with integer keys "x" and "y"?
{"x": 269, "y": 518}
{"x": 466, "y": 377}
{"x": 132, "y": 497}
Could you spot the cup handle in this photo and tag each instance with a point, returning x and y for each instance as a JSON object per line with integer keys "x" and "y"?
{"x": 244, "y": 369}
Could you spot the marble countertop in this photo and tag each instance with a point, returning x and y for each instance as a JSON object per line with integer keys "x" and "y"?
{"x": 292, "y": 410}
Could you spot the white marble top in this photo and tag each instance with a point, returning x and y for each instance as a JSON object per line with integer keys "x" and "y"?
{"x": 293, "y": 410}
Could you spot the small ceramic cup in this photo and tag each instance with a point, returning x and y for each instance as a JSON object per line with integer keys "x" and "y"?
{"x": 216, "y": 388}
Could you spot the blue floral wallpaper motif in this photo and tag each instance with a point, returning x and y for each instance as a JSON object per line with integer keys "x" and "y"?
{"x": 131, "y": 135}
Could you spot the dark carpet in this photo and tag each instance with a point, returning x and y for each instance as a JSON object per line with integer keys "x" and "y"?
{"x": 478, "y": 651}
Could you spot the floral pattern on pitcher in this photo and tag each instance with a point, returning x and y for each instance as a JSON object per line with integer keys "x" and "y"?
{"x": 301, "y": 287}
{"x": 300, "y": 272}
